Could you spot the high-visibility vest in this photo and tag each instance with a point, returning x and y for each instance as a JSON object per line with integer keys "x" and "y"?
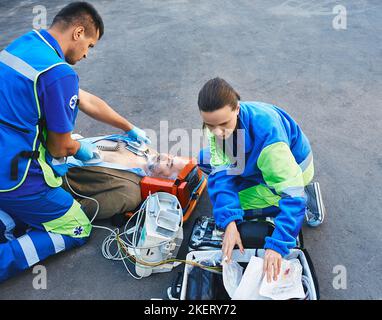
{"x": 22, "y": 129}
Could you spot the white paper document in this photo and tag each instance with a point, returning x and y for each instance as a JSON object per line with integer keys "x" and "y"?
{"x": 252, "y": 285}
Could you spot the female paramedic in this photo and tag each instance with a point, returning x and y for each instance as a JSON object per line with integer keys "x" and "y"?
{"x": 277, "y": 165}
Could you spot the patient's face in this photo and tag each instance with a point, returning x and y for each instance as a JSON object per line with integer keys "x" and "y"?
{"x": 165, "y": 165}
{"x": 159, "y": 165}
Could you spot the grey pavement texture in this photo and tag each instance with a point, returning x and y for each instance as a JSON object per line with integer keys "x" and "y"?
{"x": 150, "y": 65}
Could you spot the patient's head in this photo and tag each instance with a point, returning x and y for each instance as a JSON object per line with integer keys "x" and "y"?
{"x": 158, "y": 165}
{"x": 163, "y": 165}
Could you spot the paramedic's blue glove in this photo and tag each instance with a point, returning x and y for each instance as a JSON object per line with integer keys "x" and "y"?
{"x": 138, "y": 135}
{"x": 85, "y": 152}
{"x": 60, "y": 170}
{"x": 59, "y": 166}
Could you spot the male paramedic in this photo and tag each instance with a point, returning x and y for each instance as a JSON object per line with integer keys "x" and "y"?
{"x": 278, "y": 164}
{"x": 39, "y": 101}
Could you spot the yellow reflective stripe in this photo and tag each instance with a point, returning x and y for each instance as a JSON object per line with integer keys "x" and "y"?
{"x": 49, "y": 176}
{"x": 73, "y": 223}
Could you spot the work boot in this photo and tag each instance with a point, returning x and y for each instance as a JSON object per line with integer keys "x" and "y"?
{"x": 7, "y": 225}
{"x": 11, "y": 228}
{"x": 315, "y": 211}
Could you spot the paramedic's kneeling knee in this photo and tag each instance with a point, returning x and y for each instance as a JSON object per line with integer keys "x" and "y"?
{"x": 74, "y": 226}
{"x": 81, "y": 235}
{"x": 81, "y": 240}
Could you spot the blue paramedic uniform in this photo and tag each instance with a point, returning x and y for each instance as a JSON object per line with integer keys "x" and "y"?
{"x": 38, "y": 92}
{"x": 278, "y": 164}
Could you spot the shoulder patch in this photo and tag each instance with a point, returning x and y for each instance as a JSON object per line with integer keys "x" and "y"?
{"x": 73, "y": 101}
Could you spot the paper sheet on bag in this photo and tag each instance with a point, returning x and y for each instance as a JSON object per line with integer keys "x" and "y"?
{"x": 232, "y": 275}
{"x": 254, "y": 286}
{"x": 288, "y": 284}
{"x": 249, "y": 286}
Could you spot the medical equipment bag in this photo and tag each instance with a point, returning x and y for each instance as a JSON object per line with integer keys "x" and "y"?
{"x": 205, "y": 248}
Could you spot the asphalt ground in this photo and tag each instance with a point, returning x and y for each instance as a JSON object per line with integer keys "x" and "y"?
{"x": 150, "y": 65}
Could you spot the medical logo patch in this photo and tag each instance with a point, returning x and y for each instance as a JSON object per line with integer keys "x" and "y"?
{"x": 78, "y": 230}
{"x": 73, "y": 101}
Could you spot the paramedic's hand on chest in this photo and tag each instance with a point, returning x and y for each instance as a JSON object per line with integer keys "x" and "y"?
{"x": 272, "y": 259}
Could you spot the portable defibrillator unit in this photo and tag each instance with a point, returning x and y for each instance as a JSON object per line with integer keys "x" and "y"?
{"x": 162, "y": 216}
{"x": 160, "y": 236}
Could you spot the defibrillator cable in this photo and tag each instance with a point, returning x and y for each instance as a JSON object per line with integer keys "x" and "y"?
{"x": 84, "y": 197}
{"x": 106, "y": 244}
{"x": 122, "y": 246}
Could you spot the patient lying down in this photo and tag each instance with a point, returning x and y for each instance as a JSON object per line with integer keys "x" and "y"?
{"x": 160, "y": 165}
{"x": 118, "y": 191}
